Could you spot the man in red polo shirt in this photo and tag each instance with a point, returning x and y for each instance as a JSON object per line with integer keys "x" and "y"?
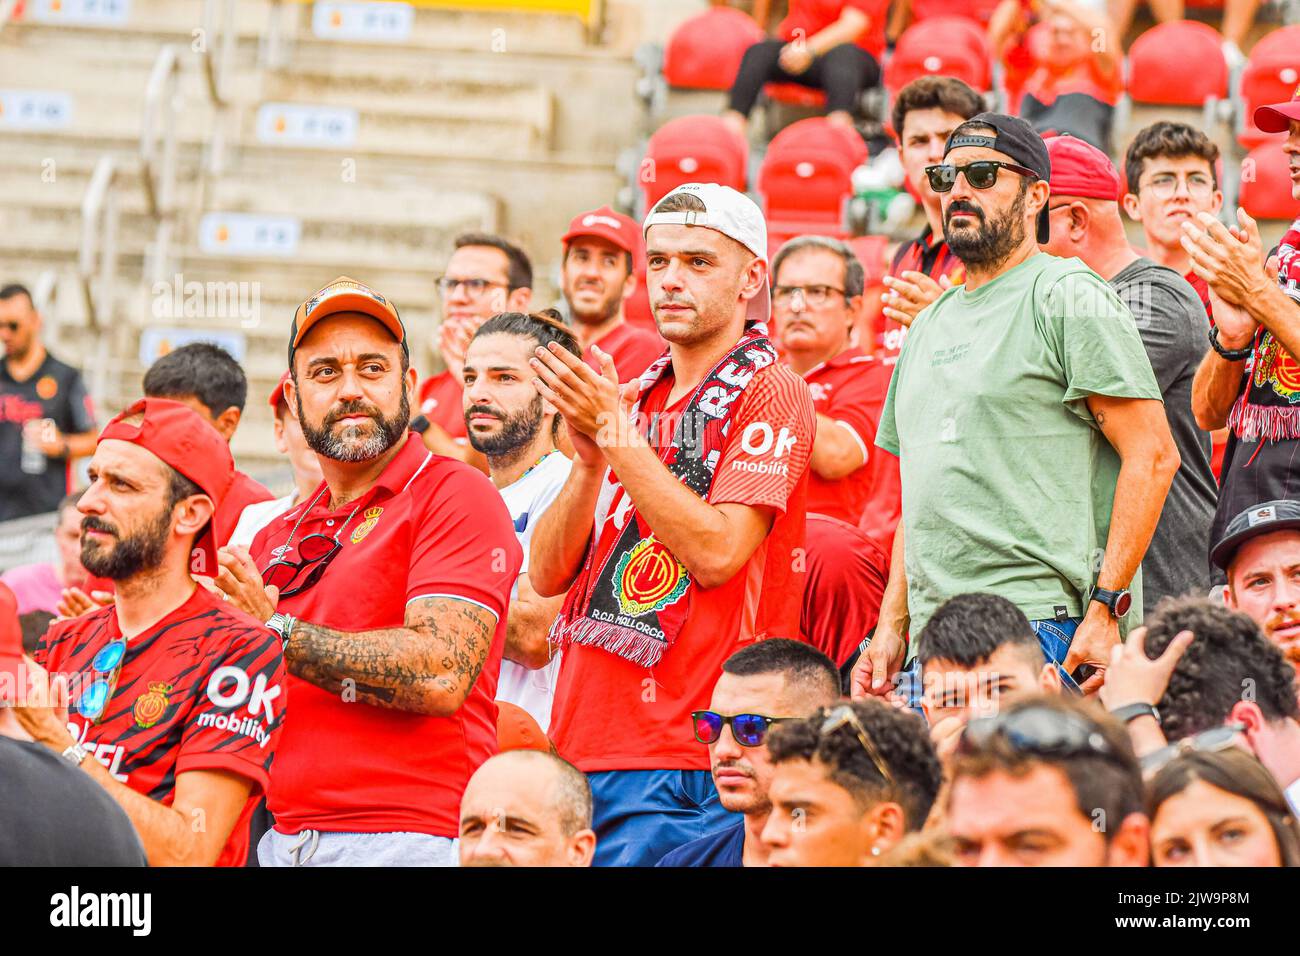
{"x": 816, "y": 294}
{"x": 677, "y": 532}
{"x": 390, "y": 586}
{"x": 176, "y": 696}
{"x": 485, "y": 275}
{"x": 597, "y": 278}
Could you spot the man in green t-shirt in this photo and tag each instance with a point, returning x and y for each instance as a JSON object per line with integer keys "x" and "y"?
{"x": 1032, "y": 442}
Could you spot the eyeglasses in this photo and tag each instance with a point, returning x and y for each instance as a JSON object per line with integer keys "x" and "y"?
{"x": 1041, "y": 731}
{"x": 813, "y": 295}
{"x": 1207, "y": 741}
{"x": 748, "y": 729}
{"x": 981, "y": 174}
{"x": 108, "y": 662}
{"x": 315, "y": 552}
{"x": 475, "y": 287}
{"x": 1165, "y": 186}
{"x": 843, "y": 716}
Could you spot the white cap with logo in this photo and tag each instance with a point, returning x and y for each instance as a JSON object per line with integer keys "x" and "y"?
{"x": 731, "y": 213}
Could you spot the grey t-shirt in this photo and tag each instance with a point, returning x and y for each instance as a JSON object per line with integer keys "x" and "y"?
{"x": 1173, "y": 326}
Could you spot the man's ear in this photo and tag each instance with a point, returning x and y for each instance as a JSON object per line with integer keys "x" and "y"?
{"x": 192, "y": 513}
{"x": 291, "y": 398}
{"x": 755, "y": 279}
{"x": 582, "y": 847}
{"x": 886, "y": 825}
{"x": 1134, "y": 212}
{"x": 227, "y": 422}
{"x": 629, "y": 286}
{"x": 1049, "y": 679}
{"x": 1131, "y": 845}
{"x": 519, "y": 300}
{"x": 1247, "y": 712}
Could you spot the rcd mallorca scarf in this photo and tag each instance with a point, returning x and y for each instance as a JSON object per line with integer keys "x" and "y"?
{"x": 632, "y": 595}
{"x": 1269, "y": 407}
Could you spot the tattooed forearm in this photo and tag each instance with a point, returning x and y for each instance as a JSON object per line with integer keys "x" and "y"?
{"x": 427, "y": 666}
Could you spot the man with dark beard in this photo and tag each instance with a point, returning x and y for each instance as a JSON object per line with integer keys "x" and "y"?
{"x": 1033, "y": 446}
{"x": 389, "y": 587}
{"x": 516, "y": 429}
{"x": 174, "y": 695}
{"x": 597, "y": 276}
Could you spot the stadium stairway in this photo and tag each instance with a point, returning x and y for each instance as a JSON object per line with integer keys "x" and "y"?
{"x": 330, "y": 155}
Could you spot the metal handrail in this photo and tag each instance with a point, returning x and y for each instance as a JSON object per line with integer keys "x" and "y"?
{"x": 219, "y": 27}
{"x": 97, "y": 257}
{"x": 160, "y": 98}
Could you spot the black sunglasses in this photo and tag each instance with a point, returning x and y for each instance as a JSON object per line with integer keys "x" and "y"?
{"x": 748, "y": 729}
{"x": 981, "y": 174}
{"x": 1042, "y": 731}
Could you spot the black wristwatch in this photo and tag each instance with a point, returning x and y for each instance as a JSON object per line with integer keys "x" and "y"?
{"x": 1131, "y": 712}
{"x": 1117, "y": 601}
{"x": 1232, "y": 355}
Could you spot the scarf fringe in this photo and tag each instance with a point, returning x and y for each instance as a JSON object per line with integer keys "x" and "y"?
{"x": 1263, "y": 422}
{"x": 626, "y": 642}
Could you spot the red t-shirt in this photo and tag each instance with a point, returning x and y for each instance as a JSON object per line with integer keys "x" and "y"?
{"x": 631, "y": 348}
{"x": 847, "y": 573}
{"x": 1049, "y": 80}
{"x": 440, "y": 402}
{"x": 203, "y": 689}
{"x": 243, "y": 491}
{"x": 849, "y": 390}
{"x": 611, "y": 714}
{"x": 813, "y": 16}
{"x": 431, "y": 526}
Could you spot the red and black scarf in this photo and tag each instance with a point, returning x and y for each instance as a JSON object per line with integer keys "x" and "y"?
{"x": 1268, "y": 409}
{"x": 632, "y": 595}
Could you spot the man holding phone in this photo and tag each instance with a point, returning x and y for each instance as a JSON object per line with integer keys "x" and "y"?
{"x": 1033, "y": 446}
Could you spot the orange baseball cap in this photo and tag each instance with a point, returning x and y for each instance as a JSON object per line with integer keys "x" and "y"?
{"x": 176, "y": 434}
{"x": 517, "y": 730}
{"x": 345, "y": 294}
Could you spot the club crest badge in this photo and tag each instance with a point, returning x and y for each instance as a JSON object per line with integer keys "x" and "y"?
{"x": 372, "y": 518}
{"x": 151, "y": 705}
{"x": 648, "y": 578}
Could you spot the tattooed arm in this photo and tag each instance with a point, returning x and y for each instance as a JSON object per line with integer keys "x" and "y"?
{"x": 426, "y": 666}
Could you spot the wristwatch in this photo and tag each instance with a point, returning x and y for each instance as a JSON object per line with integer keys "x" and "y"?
{"x": 1131, "y": 712}
{"x": 282, "y": 624}
{"x": 1117, "y": 601}
{"x": 75, "y": 754}
{"x": 1232, "y": 355}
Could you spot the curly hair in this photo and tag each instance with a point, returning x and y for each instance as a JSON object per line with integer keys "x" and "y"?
{"x": 899, "y": 736}
{"x": 1228, "y": 660}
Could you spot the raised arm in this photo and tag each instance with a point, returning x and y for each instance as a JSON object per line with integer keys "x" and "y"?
{"x": 529, "y": 624}
{"x": 560, "y": 539}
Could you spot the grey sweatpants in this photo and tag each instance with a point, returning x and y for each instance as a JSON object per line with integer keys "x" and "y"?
{"x": 314, "y": 848}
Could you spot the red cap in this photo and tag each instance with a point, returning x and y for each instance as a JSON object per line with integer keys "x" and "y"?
{"x": 176, "y": 434}
{"x": 12, "y": 673}
{"x": 1277, "y": 117}
{"x": 277, "y": 393}
{"x": 345, "y": 295}
{"x": 517, "y": 730}
{"x": 605, "y": 223}
{"x": 1082, "y": 170}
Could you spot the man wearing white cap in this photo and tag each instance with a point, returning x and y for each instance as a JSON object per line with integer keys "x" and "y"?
{"x": 678, "y": 534}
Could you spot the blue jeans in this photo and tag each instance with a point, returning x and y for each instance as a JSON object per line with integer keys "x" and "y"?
{"x": 642, "y": 814}
{"x": 1055, "y": 637}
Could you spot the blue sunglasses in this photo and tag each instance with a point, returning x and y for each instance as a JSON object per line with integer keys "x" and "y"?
{"x": 94, "y": 699}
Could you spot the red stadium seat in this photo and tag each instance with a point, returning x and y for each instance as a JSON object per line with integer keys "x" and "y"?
{"x": 1270, "y": 76}
{"x": 949, "y": 46}
{"x": 1266, "y": 184}
{"x": 704, "y": 53}
{"x": 1159, "y": 60}
{"x": 870, "y": 251}
{"x": 806, "y": 177}
{"x": 979, "y": 10}
{"x": 692, "y": 149}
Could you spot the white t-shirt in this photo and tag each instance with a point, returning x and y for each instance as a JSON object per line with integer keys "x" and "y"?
{"x": 1292, "y": 794}
{"x": 257, "y": 516}
{"x": 527, "y": 498}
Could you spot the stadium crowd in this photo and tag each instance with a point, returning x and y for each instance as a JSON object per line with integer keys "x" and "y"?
{"x": 747, "y": 585}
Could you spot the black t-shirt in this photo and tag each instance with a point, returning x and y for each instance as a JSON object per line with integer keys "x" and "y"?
{"x": 57, "y": 392}
{"x": 53, "y": 814}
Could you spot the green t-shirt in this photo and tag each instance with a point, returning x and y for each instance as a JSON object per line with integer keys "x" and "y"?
{"x": 1008, "y": 482}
